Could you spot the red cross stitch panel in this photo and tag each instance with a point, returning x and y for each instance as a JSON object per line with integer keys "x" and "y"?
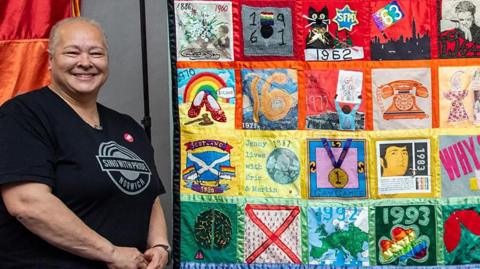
{"x": 272, "y": 234}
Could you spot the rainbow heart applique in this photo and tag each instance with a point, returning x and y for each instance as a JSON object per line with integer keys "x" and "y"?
{"x": 404, "y": 245}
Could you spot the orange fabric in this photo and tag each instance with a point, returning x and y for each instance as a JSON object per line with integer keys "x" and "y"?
{"x": 367, "y": 77}
{"x": 75, "y": 8}
{"x": 19, "y": 73}
{"x": 239, "y": 100}
{"x": 365, "y": 66}
{"x": 435, "y": 98}
{"x": 200, "y": 64}
{"x": 302, "y": 106}
{"x": 24, "y": 29}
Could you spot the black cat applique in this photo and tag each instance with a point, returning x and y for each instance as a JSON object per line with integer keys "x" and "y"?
{"x": 318, "y": 36}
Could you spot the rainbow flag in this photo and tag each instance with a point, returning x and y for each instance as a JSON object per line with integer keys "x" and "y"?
{"x": 190, "y": 173}
{"x": 266, "y": 18}
{"x": 227, "y": 172}
{"x": 24, "y": 29}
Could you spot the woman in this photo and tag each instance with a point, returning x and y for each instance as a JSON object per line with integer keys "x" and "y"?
{"x": 457, "y": 94}
{"x": 79, "y": 188}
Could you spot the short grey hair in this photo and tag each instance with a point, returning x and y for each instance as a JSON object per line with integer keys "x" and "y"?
{"x": 465, "y": 6}
{"x": 53, "y": 38}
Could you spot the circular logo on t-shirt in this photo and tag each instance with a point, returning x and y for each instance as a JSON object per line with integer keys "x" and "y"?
{"x": 129, "y": 173}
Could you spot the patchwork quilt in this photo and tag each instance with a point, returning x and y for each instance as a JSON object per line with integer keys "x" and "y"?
{"x": 322, "y": 134}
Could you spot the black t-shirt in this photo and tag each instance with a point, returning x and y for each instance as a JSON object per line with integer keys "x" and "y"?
{"x": 106, "y": 177}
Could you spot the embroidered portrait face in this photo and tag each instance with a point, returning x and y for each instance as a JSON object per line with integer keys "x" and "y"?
{"x": 398, "y": 156}
{"x": 459, "y": 29}
{"x": 403, "y": 166}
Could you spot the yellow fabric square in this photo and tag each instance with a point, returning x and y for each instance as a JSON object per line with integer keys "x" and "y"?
{"x": 206, "y": 98}
{"x": 404, "y": 164}
{"x": 274, "y": 165}
{"x": 210, "y": 165}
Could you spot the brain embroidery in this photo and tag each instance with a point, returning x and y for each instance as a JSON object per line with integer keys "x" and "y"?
{"x": 213, "y": 229}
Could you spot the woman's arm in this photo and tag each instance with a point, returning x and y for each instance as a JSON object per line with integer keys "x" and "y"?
{"x": 41, "y": 212}
{"x": 157, "y": 235}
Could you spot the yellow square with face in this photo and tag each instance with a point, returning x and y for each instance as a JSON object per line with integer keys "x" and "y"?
{"x": 394, "y": 160}
{"x": 404, "y": 163}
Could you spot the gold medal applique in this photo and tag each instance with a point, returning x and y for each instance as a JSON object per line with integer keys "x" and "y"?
{"x": 338, "y": 178}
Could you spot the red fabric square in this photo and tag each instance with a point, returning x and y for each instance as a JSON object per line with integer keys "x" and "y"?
{"x": 345, "y": 25}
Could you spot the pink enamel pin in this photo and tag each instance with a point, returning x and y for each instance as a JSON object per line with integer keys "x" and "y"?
{"x": 128, "y": 137}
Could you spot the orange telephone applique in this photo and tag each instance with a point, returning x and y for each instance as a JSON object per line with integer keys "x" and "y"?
{"x": 404, "y": 104}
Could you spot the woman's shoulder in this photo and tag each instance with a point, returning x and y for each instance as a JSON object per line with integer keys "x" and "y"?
{"x": 28, "y": 103}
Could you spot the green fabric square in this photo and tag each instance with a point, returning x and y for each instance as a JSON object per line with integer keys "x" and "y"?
{"x": 209, "y": 232}
{"x": 405, "y": 235}
{"x": 461, "y": 234}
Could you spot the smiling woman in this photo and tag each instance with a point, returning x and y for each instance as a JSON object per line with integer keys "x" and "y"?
{"x": 78, "y": 61}
{"x": 60, "y": 206}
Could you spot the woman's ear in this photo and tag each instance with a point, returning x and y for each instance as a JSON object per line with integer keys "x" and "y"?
{"x": 50, "y": 59}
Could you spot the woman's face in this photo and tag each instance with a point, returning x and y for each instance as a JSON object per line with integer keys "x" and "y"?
{"x": 465, "y": 19}
{"x": 79, "y": 63}
{"x": 456, "y": 81}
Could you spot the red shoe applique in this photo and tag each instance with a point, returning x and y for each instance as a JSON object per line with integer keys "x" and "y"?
{"x": 214, "y": 108}
{"x": 197, "y": 104}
